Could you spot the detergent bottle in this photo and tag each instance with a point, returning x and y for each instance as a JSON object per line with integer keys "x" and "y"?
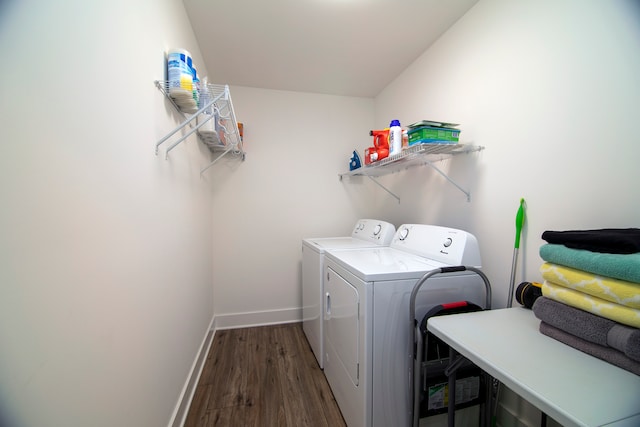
{"x": 380, "y": 149}
{"x": 380, "y": 138}
{"x": 395, "y": 138}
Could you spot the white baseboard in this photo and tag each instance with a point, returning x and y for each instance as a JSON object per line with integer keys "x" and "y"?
{"x": 514, "y": 411}
{"x": 505, "y": 417}
{"x": 181, "y": 410}
{"x": 257, "y": 318}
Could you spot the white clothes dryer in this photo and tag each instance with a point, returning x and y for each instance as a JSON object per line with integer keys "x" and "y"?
{"x": 366, "y": 233}
{"x": 367, "y": 337}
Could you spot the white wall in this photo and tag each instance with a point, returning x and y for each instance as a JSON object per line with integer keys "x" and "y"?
{"x": 551, "y": 90}
{"x": 105, "y": 276}
{"x": 107, "y": 260}
{"x": 286, "y": 190}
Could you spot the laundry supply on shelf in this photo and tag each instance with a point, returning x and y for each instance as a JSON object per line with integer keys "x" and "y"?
{"x": 210, "y": 129}
{"x": 196, "y": 86}
{"x": 395, "y": 138}
{"x": 180, "y": 79}
{"x": 380, "y": 149}
{"x": 431, "y": 135}
{"x": 433, "y": 132}
{"x": 354, "y": 163}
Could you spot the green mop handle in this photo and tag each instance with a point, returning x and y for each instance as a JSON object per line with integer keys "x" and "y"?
{"x": 516, "y": 246}
{"x": 519, "y": 222}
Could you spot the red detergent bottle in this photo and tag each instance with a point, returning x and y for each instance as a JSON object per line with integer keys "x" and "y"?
{"x": 380, "y": 149}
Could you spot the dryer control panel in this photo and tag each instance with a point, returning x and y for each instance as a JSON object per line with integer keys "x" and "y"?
{"x": 447, "y": 245}
{"x": 373, "y": 230}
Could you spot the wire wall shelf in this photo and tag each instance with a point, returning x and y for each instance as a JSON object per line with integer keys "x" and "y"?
{"x": 416, "y": 155}
{"x": 208, "y": 113}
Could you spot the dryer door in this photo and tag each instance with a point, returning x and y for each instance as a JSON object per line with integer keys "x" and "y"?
{"x": 342, "y": 328}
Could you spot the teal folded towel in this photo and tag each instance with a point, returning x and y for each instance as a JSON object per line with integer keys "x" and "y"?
{"x": 619, "y": 266}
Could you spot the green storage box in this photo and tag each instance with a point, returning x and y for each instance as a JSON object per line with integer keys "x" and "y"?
{"x": 433, "y": 135}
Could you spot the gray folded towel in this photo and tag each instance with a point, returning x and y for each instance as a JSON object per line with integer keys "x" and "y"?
{"x": 589, "y": 327}
{"x": 607, "y": 354}
{"x": 626, "y": 339}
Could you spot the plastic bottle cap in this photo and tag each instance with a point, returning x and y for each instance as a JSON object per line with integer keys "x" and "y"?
{"x": 394, "y": 123}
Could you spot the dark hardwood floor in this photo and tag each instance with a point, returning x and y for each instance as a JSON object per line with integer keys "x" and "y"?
{"x": 263, "y": 376}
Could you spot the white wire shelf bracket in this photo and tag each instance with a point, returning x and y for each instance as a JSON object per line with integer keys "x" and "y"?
{"x": 222, "y": 136}
{"x": 416, "y": 155}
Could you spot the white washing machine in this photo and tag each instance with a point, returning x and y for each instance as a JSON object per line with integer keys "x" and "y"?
{"x": 366, "y": 233}
{"x": 367, "y": 337}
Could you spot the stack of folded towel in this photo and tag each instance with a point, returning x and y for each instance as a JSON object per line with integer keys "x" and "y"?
{"x": 591, "y": 293}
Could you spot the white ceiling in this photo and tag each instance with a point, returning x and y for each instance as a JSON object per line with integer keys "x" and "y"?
{"x": 341, "y": 47}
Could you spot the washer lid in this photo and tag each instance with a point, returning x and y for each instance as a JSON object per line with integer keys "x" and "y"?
{"x": 383, "y": 263}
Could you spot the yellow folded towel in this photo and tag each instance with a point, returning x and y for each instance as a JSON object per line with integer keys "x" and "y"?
{"x": 609, "y": 310}
{"x": 614, "y": 290}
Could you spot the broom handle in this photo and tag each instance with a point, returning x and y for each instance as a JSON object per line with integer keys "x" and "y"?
{"x": 516, "y": 248}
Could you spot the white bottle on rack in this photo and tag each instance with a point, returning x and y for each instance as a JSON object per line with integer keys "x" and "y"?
{"x": 208, "y": 130}
{"x": 395, "y": 138}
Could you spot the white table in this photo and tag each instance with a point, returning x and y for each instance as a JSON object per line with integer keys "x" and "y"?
{"x": 571, "y": 387}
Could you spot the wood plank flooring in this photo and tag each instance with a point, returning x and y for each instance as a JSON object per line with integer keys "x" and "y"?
{"x": 263, "y": 376}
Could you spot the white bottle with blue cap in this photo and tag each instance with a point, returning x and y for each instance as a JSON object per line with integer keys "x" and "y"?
{"x": 395, "y": 138}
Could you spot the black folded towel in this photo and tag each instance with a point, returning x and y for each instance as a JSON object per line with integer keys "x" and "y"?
{"x": 606, "y": 240}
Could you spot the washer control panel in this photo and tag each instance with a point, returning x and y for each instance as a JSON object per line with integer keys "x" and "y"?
{"x": 447, "y": 245}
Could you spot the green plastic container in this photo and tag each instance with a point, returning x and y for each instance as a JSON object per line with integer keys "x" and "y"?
{"x": 433, "y": 135}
